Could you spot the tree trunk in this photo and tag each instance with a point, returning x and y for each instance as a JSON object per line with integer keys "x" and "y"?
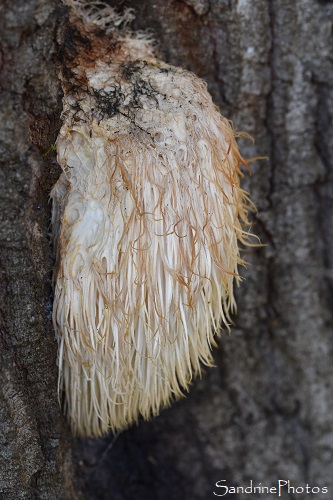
{"x": 265, "y": 412}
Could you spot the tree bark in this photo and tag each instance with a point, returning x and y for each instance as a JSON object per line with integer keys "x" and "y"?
{"x": 265, "y": 412}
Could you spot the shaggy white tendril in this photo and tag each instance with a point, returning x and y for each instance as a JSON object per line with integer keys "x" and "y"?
{"x": 146, "y": 222}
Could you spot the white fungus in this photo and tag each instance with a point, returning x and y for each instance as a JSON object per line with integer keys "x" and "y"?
{"x": 147, "y": 216}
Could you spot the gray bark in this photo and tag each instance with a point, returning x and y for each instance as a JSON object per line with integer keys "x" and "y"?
{"x": 265, "y": 412}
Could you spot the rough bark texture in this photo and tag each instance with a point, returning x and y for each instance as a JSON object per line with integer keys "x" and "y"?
{"x": 265, "y": 412}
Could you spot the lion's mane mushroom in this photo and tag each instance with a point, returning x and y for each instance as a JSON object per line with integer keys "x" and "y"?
{"x": 147, "y": 216}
